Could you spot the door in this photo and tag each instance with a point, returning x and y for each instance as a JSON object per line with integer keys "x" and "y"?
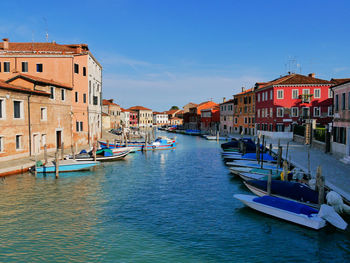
{"x": 58, "y": 139}
{"x": 36, "y": 143}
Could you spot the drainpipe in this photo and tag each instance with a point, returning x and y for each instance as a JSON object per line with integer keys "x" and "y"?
{"x": 29, "y": 127}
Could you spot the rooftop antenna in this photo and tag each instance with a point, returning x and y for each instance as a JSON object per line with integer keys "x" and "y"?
{"x": 46, "y": 30}
{"x": 292, "y": 64}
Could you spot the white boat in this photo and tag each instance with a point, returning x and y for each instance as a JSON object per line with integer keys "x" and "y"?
{"x": 284, "y": 209}
{"x": 253, "y": 176}
{"x": 253, "y": 164}
{"x": 123, "y": 149}
{"x": 213, "y": 137}
{"x": 241, "y": 169}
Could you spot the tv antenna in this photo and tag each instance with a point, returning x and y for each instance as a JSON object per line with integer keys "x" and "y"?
{"x": 46, "y": 30}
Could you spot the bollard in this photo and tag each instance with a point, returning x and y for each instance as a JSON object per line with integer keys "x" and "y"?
{"x": 56, "y": 164}
{"x": 62, "y": 150}
{"x": 45, "y": 153}
{"x": 269, "y": 180}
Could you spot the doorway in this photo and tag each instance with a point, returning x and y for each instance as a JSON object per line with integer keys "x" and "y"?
{"x": 58, "y": 139}
{"x": 36, "y": 143}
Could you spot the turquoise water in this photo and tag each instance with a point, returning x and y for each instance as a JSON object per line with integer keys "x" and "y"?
{"x": 164, "y": 206}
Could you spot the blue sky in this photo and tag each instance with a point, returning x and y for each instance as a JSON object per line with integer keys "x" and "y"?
{"x": 166, "y": 52}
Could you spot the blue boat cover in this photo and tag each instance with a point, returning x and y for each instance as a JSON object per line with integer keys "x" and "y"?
{"x": 265, "y": 156}
{"x": 250, "y": 145}
{"x": 83, "y": 151}
{"x": 292, "y": 190}
{"x": 287, "y": 205}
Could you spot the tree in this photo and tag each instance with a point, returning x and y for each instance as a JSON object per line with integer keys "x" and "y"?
{"x": 174, "y": 108}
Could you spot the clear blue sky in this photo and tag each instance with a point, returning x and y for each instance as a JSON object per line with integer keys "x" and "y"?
{"x": 166, "y": 52}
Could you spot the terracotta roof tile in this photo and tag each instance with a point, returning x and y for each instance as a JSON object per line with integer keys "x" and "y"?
{"x": 109, "y": 102}
{"x": 244, "y": 92}
{"x": 339, "y": 81}
{"x": 40, "y": 80}
{"x": 139, "y": 108}
{"x": 11, "y": 87}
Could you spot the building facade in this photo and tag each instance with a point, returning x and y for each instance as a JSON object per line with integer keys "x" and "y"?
{"x": 144, "y": 116}
{"x": 293, "y": 99}
{"x": 244, "y": 112}
{"x": 160, "y": 118}
{"x": 67, "y": 64}
{"x": 226, "y": 117}
{"x": 114, "y": 112}
{"x": 192, "y": 118}
{"x": 124, "y": 118}
{"x": 33, "y": 114}
{"x": 210, "y": 120}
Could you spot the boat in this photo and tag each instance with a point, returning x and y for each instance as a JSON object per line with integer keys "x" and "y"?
{"x": 65, "y": 166}
{"x": 284, "y": 209}
{"x": 161, "y": 143}
{"x": 250, "y": 157}
{"x": 122, "y": 149}
{"x": 102, "y": 155}
{"x": 246, "y": 176}
{"x": 238, "y": 169}
{"x": 287, "y": 190}
{"x": 253, "y": 164}
{"x": 214, "y": 138}
{"x": 193, "y": 132}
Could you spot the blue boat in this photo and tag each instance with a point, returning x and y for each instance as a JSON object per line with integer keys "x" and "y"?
{"x": 193, "y": 132}
{"x": 287, "y": 190}
{"x": 65, "y": 166}
{"x": 250, "y": 157}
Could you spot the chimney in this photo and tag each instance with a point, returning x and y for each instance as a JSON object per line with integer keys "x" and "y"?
{"x": 79, "y": 49}
{"x": 6, "y": 43}
{"x": 223, "y": 99}
{"x": 243, "y": 89}
{"x": 312, "y": 75}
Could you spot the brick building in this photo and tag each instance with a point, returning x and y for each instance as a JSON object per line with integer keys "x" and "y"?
{"x": 244, "y": 112}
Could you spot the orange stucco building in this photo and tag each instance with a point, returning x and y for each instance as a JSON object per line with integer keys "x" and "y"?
{"x": 244, "y": 112}
{"x": 71, "y": 65}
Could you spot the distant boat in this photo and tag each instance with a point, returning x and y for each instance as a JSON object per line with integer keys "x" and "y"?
{"x": 284, "y": 209}
{"x": 251, "y": 157}
{"x": 213, "y": 138}
{"x": 287, "y": 190}
{"x": 65, "y": 166}
{"x": 161, "y": 143}
{"x": 193, "y": 132}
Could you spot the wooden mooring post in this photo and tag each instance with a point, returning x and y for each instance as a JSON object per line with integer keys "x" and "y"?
{"x": 45, "y": 153}
{"x": 62, "y": 151}
{"x": 94, "y": 148}
{"x": 73, "y": 153}
{"x": 270, "y": 149}
{"x": 35, "y": 165}
{"x": 257, "y": 149}
{"x": 56, "y": 164}
{"x": 262, "y": 152}
{"x": 279, "y": 156}
{"x": 269, "y": 180}
{"x": 320, "y": 181}
{"x": 285, "y": 171}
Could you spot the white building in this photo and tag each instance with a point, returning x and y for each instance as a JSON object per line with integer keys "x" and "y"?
{"x": 160, "y": 118}
{"x": 226, "y": 117}
{"x": 95, "y": 98}
{"x": 125, "y": 118}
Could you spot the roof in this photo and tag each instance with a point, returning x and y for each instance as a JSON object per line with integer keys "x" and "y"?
{"x": 340, "y": 81}
{"x": 109, "y": 102}
{"x": 104, "y": 114}
{"x": 294, "y": 79}
{"x": 42, "y": 47}
{"x": 35, "y": 79}
{"x": 205, "y": 105}
{"x": 175, "y": 118}
{"x": 172, "y": 111}
{"x": 139, "y": 108}
{"x": 4, "y": 85}
{"x": 245, "y": 91}
{"x": 228, "y": 101}
{"x": 216, "y": 107}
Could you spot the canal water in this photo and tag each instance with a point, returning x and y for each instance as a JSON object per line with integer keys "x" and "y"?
{"x": 163, "y": 206}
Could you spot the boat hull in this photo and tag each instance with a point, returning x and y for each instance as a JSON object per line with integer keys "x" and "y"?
{"x": 313, "y": 222}
{"x": 78, "y": 166}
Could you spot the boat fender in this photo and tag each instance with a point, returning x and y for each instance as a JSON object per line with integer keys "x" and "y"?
{"x": 336, "y": 201}
{"x": 153, "y": 147}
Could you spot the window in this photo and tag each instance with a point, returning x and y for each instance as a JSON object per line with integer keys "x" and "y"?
{"x": 76, "y": 96}
{"x": 330, "y": 93}
{"x": 52, "y": 93}
{"x": 258, "y": 113}
{"x": 317, "y": 112}
{"x": 84, "y": 97}
{"x": 39, "y": 67}
{"x": 271, "y": 113}
{"x": 317, "y": 93}
{"x": 1, "y": 144}
{"x": 6, "y": 66}
{"x": 245, "y": 120}
{"x": 17, "y": 109}
{"x": 236, "y": 120}
{"x": 263, "y": 96}
{"x": 330, "y": 111}
{"x": 63, "y": 94}
{"x": 95, "y": 100}
{"x": 280, "y": 94}
{"x": 295, "y": 94}
{"x": 306, "y": 112}
{"x": 84, "y": 71}
{"x": 280, "y": 112}
{"x": 339, "y": 135}
{"x": 2, "y": 109}
{"x": 306, "y": 98}
{"x": 81, "y": 126}
{"x": 76, "y": 68}
{"x": 43, "y": 114}
{"x": 18, "y": 142}
{"x": 43, "y": 140}
{"x": 295, "y": 111}
{"x": 24, "y": 66}
{"x": 343, "y": 101}
{"x": 258, "y": 97}
{"x": 271, "y": 94}
{"x": 336, "y": 103}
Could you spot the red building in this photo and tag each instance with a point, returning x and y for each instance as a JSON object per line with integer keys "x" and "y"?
{"x": 292, "y": 99}
{"x": 192, "y": 118}
{"x": 210, "y": 119}
{"x": 133, "y": 118}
